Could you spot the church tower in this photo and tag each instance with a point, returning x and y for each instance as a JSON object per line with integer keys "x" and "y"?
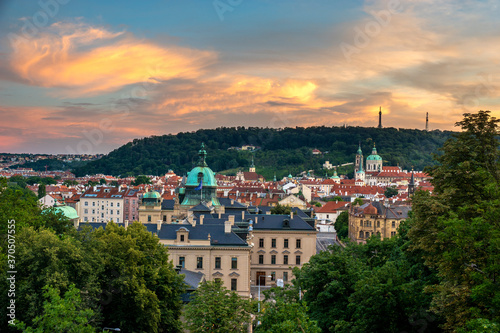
{"x": 358, "y": 164}
{"x": 411, "y": 185}
{"x": 252, "y": 167}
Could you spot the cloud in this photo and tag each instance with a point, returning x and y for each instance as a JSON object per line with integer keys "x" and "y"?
{"x": 85, "y": 60}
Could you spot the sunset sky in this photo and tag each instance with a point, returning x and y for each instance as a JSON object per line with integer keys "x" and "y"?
{"x": 88, "y": 76}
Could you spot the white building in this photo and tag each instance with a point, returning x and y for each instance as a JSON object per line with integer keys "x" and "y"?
{"x": 102, "y": 204}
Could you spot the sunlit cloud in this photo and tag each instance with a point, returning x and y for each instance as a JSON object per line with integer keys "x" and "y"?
{"x": 86, "y": 60}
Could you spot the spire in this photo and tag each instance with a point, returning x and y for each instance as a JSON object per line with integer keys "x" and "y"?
{"x": 380, "y": 118}
{"x": 253, "y": 165}
{"x": 427, "y": 121}
{"x": 411, "y": 185}
{"x": 374, "y": 150}
{"x": 274, "y": 176}
{"x": 203, "y": 155}
{"x": 359, "y": 152}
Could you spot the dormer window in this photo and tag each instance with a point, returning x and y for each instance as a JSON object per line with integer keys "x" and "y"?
{"x": 286, "y": 224}
{"x": 182, "y": 238}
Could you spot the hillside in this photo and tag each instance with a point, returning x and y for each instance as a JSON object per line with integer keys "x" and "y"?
{"x": 282, "y": 151}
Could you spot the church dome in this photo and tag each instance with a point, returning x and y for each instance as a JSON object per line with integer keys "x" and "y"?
{"x": 208, "y": 177}
{"x": 67, "y": 211}
{"x": 374, "y": 156}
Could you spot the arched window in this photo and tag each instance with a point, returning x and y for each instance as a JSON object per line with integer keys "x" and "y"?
{"x": 367, "y": 234}
{"x": 200, "y": 176}
{"x": 361, "y": 234}
{"x": 361, "y": 223}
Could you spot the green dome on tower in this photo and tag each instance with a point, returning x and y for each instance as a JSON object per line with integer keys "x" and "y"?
{"x": 67, "y": 211}
{"x": 151, "y": 195}
{"x": 374, "y": 156}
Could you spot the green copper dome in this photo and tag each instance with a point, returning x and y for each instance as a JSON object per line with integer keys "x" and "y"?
{"x": 335, "y": 176}
{"x": 359, "y": 152}
{"x": 207, "y": 177}
{"x": 67, "y": 211}
{"x": 374, "y": 156}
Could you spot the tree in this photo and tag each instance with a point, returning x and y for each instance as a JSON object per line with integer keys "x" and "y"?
{"x": 284, "y": 313}
{"x": 70, "y": 182}
{"x": 342, "y": 225}
{"x": 141, "y": 180}
{"x": 457, "y": 230}
{"x": 216, "y": 309}
{"x": 114, "y": 183}
{"x": 91, "y": 183}
{"x": 41, "y": 191}
{"x": 136, "y": 276}
{"x": 102, "y": 181}
{"x": 281, "y": 210}
{"x": 62, "y": 314}
{"x": 391, "y": 191}
{"x": 357, "y": 201}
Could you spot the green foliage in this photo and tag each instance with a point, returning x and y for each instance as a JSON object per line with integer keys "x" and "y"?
{"x": 216, "y": 309}
{"x": 41, "y": 191}
{"x": 102, "y": 181}
{"x": 282, "y": 312}
{"x": 391, "y": 191}
{"x": 342, "y": 225}
{"x": 282, "y": 151}
{"x": 70, "y": 182}
{"x": 141, "y": 180}
{"x": 281, "y": 210}
{"x": 357, "y": 201}
{"x": 457, "y": 230}
{"x": 372, "y": 287}
{"x": 62, "y": 314}
{"x": 40, "y": 180}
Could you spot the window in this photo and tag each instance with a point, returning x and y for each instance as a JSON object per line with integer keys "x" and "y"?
{"x": 234, "y": 263}
{"x": 273, "y": 276}
{"x": 164, "y": 218}
{"x": 361, "y": 234}
{"x": 285, "y": 276}
{"x": 393, "y": 233}
{"x": 297, "y": 260}
{"x": 394, "y": 224}
{"x": 111, "y": 212}
{"x": 85, "y": 219}
{"x": 86, "y": 211}
{"x": 111, "y": 204}
{"x": 361, "y": 223}
{"x": 182, "y": 261}
{"x": 199, "y": 262}
{"x": 273, "y": 242}
{"x": 102, "y": 214}
{"x": 217, "y": 262}
{"x": 261, "y": 259}
{"x": 182, "y": 238}
{"x": 378, "y": 224}
{"x": 297, "y": 243}
{"x": 234, "y": 284}
{"x": 117, "y": 204}
{"x": 93, "y": 203}
{"x": 102, "y": 207}
{"x": 117, "y": 220}
{"x": 117, "y": 212}
{"x": 93, "y": 211}
{"x": 285, "y": 259}
{"x": 86, "y": 203}
{"x": 273, "y": 259}
{"x": 149, "y": 218}
{"x": 261, "y": 242}
{"x": 285, "y": 243}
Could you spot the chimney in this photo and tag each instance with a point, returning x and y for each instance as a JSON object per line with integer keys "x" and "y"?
{"x": 256, "y": 219}
{"x": 220, "y": 215}
{"x": 158, "y": 225}
{"x": 231, "y": 219}
{"x": 242, "y": 214}
{"x": 268, "y": 212}
{"x": 291, "y": 215}
{"x": 232, "y": 201}
{"x": 201, "y": 219}
{"x": 227, "y": 227}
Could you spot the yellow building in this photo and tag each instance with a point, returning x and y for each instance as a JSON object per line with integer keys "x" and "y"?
{"x": 375, "y": 218}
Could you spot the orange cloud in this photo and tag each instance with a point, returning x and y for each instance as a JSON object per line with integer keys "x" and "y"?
{"x": 92, "y": 60}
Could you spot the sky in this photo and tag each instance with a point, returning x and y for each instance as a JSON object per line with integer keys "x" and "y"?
{"x": 85, "y": 77}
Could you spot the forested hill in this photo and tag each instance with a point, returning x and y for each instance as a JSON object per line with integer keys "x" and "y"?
{"x": 282, "y": 151}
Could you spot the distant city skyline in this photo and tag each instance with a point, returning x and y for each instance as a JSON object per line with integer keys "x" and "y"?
{"x": 87, "y": 77}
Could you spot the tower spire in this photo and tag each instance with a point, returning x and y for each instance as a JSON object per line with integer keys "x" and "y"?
{"x": 380, "y": 118}
{"x": 427, "y": 121}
